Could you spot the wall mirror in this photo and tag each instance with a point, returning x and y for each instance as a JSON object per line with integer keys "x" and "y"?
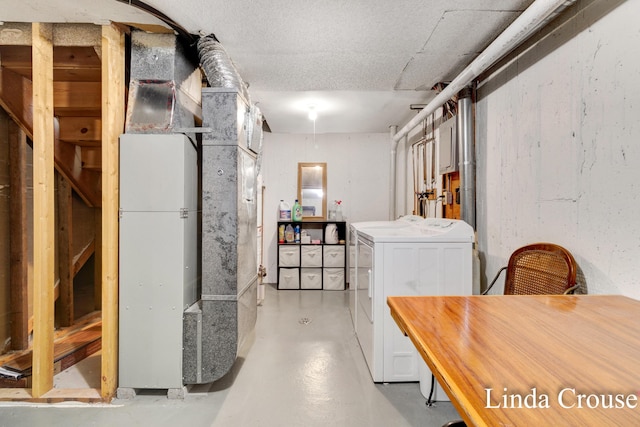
{"x": 312, "y": 190}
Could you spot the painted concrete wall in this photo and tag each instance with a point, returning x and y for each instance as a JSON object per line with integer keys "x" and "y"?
{"x": 357, "y": 174}
{"x": 558, "y": 153}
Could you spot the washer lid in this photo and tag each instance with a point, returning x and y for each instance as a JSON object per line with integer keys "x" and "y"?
{"x": 428, "y": 230}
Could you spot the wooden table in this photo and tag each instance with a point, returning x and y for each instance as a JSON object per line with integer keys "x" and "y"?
{"x": 558, "y": 360}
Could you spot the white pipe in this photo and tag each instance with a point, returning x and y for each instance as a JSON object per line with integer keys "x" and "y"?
{"x": 392, "y": 174}
{"x": 533, "y": 18}
{"x": 405, "y": 193}
{"x": 467, "y": 157}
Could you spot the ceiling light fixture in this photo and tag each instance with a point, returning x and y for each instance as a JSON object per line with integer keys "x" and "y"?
{"x": 313, "y": 114}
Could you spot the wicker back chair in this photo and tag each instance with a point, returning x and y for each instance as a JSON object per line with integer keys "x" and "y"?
{"x": 539, "y": 269}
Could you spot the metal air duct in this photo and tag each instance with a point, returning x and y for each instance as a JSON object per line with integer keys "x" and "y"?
{"x": 467, "y": 164}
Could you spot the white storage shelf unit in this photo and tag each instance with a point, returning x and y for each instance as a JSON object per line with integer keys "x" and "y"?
{"x": 313, "y": 266}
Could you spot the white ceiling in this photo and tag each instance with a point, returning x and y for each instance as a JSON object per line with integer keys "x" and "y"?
{"x": 362, "y": 63}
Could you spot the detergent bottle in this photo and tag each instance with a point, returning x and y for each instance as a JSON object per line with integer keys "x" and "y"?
{"x": 284, "y": 211}
{"x": 297, "y": 211}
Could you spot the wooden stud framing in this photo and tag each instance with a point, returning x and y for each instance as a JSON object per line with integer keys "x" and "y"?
{"x": 19, "y": 254}
{"x": 43, "y": 208}
{"x": 113, "y": 91}
{"x": 66, "y": 269}
{"x": 97, "y": 270}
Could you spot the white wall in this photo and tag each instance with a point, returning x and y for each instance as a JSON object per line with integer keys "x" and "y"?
{"x": 357, "y": 174}
{"x": 557, "y": 140}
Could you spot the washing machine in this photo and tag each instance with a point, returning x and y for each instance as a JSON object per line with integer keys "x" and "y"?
{"x": 430, "y": 256}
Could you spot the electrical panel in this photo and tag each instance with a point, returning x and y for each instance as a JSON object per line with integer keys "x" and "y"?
{"x": 448, "y": 159}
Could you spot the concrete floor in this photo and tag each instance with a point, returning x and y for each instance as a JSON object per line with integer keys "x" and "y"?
{"x": 302, "y": 367}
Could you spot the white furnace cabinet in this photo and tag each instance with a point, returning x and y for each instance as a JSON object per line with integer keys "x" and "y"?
{"x": 158, "y": 257}
{"x": 399, "y": 259}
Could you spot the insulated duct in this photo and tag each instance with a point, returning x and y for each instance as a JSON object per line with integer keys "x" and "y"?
{"x": 218, "y": 67}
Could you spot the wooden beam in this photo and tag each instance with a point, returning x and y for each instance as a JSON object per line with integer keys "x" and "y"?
{"x": 19, "y": 258}
{"x": 81, "y": 130}
{"x": 64, "y": 307}
{"x": 79, "y": 260}
{"x": 69, "y": 163}
{"x": 17, "y": 59}
{"x": 57, "y": 395}
{"x": 77, "y": 97}
{"x": 16, "y": 97}
{"x": 113, "y": 92}
{"x": 43, "y": 209}
{"x": 91, "y": 158}
{"x": 97, "y": 262}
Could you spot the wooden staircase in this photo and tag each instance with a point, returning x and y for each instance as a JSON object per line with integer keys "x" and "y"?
{"x": 77, "y": 115}
{"x": 77, "y": 109}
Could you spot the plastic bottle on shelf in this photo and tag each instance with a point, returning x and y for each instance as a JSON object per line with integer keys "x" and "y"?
{"x": 296, "y": 212}
{"x": 284, "y": 211}
{"x": 297, "y": 233}
{"x": 281, "y": 233}
{"x": 288, "y": 234}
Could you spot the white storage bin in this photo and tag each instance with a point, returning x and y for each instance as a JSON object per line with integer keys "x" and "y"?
{"x": 311, "y": 256}
{"x": 333, "y": 256}
{"x": 289, "y": 278}
{"x": 289, "y": 256}
{"x": 333, "y": 279}
{"x": 311, "y": 278}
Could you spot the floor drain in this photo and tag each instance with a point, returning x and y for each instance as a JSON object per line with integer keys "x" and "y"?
{"x": 304, "y": 321}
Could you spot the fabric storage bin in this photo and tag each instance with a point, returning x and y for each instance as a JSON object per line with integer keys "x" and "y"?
{"x": 311, "y": 278}
{"x": 333, "y": 279}
{"x": 289, "y": 278}
{"x": 333, "y": 256}
{"x": 311, "y": 256}
{"x": 289, "y": 256}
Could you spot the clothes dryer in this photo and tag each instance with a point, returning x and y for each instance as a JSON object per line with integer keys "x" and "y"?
{"x": 406, "y": 258}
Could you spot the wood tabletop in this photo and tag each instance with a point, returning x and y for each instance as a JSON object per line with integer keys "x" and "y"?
{"x": 557, "y": 360}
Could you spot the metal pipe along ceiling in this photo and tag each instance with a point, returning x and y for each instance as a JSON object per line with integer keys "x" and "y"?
{"x": 532, "y": 19}
{"x": 535, "y": 17}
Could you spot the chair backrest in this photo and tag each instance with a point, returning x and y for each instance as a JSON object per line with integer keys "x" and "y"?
{"x": 540, "y": 268}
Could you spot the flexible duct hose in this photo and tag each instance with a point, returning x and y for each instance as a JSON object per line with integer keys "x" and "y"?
{"x": 217, "y": 65}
